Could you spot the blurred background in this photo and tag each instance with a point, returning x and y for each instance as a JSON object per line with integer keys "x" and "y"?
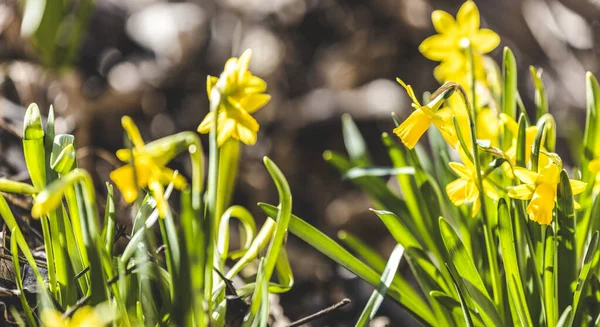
{"x": 97, "y": 61}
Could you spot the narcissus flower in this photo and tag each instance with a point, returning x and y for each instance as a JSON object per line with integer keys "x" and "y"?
{"x": 238, "y": 94}
{"x": 540, "y": 189}
{"x": 84, "y": 317}
{"x": 411, "y": 130}
{"x": 144, "y": 169}
{"x": 454, "y": 37}
{"x": 464, "y": 189}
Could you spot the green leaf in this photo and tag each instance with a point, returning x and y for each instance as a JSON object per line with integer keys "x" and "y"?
{"x": 283, "y": 217}
{"x": 565, "y": 237}
{"x": 355, "y": 143}
{"x": 247, "y": 230}
{"x": 591, "y": 255}
{"x": 549, "y": 124}
{"x": 377, "y": 171}
{"x": 400, "y": 290}
{"x": 399, "y": 229}
{"x": 550, "y": 278}
{"x": 509, "y": 89}
{"x": 541, "y": 99}
{"x": 365, "y": 252}
{"x": 454, "y": 306}
{"x": 469, "y": 275}
{"x": 461, "y": 298}
{"x": 537, "y": 146}
{"x": 511, "y": 265}
{"x": 521, "y": 142}
{"x": 14, "y": 249}
{"x": 386, "y": 279}
{"x": 375, "y": 187}
{"x": 591, "y": 142}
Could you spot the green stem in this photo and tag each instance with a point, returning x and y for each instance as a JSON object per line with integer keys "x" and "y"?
{"x": 213, "y": 177}
{"x": 168, "y": 256}
{"x": 488, "y": 233}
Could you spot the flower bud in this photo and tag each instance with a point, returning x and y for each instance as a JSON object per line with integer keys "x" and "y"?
{"x": 33, "y": 146}
{"x": 62, "y": 158}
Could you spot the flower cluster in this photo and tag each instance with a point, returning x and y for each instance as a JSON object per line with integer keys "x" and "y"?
{"x": 461, "y": 47}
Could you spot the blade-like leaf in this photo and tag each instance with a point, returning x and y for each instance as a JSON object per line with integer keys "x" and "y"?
{"x": 386, "y": 279}
{"x": 511, "y": 265}
{"x": 565, "y": 237}
{"x": 400, "y": 290}
{"x": 468, "y": 273}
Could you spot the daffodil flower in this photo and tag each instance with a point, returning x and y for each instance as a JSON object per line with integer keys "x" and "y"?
{"x": 239, "y": 94}
{"x": 411, "y": 130}
{"x": 84, "y": 317}
{"x": 144, "y": 169}
{"x": 464, "y": 189}
{"x": 454, "y": 36}
{"x": 540, "y": 189}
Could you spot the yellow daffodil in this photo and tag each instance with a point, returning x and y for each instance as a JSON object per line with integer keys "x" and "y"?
{"x": 594, "y": 167}
{"x": 454, "y": 37}
{"x": 238, "y": 94}
{"x": 144, "y": 169}
{"x": 464, "y": 189}
{"x": 411, "y": 130}
{"x": 540, "y": 189}
{"x": 84, "y": 317}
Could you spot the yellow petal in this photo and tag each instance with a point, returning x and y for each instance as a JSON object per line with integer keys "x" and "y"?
{"x": 132, "y": 132}
{"x": 510, "y": 124}
{"x": 521, "y": 192}
{"x": 453, "y": 68}
{"x": 487, "y": 126}
{"x": 168, "y": 176}
{"x": 549, "y": 174}
{"x": 471, "y": 191}
{"x": 409, "y": 91}
{"x": 490, "y": 191}
{"x": 439, "y": 47}
{"x": 52, "y": 318}
{"x": 576, "y": 205}
{"x": 125, "y": 181}
{"x": 253, "y": 102}
{"x": 594, "y": 166}
{"x": 465, "y": 159}
{"x": 158, "y": 194}
{"x": 411, "y": 130}
{"x": 124, "y": 155}
{"x": 226, "y": 129}
{"x": 252, "y": 84}
{"x": 461, "y": 170}
{"x": 242, "y": 64}
{"x": 445, "y": 125}
{"x": 541, "y": 206}
{"x": 577, "y": 186}
{"x": 468, "y": 17}
{"x": 456, "y": 191}
{"x": 231, "y": 64}
{"x": 210, "y": 82}
{"x": 526, "y": 176}
{"x": 443, "y": 22}
{"x": 245, "y": 134}
{"x": 485, "y": 40}
{"x": 476, "y": 207}
{"x": 204, "y": 127}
